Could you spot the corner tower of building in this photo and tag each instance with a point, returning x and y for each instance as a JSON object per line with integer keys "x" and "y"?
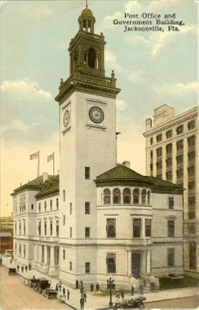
{"x": 87, "y": 107}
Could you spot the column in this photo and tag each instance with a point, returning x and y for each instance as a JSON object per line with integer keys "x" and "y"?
{"x": 52, "y": 256}
{"x": 148, "y": 261}
{"x": 129, "y": 263}
{"x": 142, "y": 228}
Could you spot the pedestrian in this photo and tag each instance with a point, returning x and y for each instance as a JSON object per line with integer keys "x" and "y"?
{"x": 122, "y": 294}
{"x": 82, "y": 302}
{"x": 68, "y": 294}
{"x": 85, "y": 296}
{"x": 77, "y": 284}
{"x": 60, "y": 285}
{"x": 21, "y": 268}
{"x": 30, "y": 266}
{"x": 11, "y": 261}
{"x": 141, "y": 288}
{"x": 17, "y": 268}
{"x": 64, "y": 292}
{"x": 56, "y": 288}
{"x": 81, "y": 283}
{"x": 81, "y": 290}
{"x": 26, "y": 268}
{"x": 91, "y": 288}
{"x": 97, "y": 287}
{"x": 132, "y": 290}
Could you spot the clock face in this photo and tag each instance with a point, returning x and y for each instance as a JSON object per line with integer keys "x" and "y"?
{"x": 66, "y": 118}
{"x": 96, "y": 115}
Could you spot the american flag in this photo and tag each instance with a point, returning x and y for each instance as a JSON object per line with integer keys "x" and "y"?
{"x": 50, "y": 157}
{"x": 34, "y": 156}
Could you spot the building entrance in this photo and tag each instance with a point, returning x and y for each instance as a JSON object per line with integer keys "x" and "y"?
{"x": 136, "y": 264}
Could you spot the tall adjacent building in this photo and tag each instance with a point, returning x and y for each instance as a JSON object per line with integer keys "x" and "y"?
{"x": 98, "y": 218}
{"x": 172, "y": 153}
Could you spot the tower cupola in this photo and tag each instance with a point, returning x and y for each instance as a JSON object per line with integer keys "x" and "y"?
{"x": 86, "y": 20}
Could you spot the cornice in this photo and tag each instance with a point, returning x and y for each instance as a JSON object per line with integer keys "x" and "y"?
{"x": 176, "y": 120}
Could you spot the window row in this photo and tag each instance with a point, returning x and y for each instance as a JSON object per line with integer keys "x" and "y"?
{"x": 45, "y": 207}
{"x": 169, "y": 133}
{"x": 20, "y": 250}
{"x": 20, "y": 228}
{"x": 48, "y": 228}
{"x": 137, "y": 196}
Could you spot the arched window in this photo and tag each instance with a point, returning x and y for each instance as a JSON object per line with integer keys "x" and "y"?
{"x": 116, "y": 196}
{"x": 149, "y": 197}
{"x": 136, "y": 196}
{"x": 126, "y": 196}
{"x": 107, "y": 196}
{"x": 91, "y": 57}
{"x": 144, "y": 196}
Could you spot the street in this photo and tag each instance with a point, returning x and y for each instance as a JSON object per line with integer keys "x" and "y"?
{"x": 179, "y": 303}
{"x": 16, "y": 295}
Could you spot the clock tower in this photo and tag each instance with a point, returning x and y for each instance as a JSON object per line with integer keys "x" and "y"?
{"x": 87, "y": 113}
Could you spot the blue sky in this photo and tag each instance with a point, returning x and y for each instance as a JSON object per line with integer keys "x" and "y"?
{"x": 152, "y": 68}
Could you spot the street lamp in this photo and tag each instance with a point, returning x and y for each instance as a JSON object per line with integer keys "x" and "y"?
{"x": 110, "y": 283}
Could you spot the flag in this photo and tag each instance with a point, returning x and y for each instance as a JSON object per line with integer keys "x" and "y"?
{"x": 50, "y": 157}
{"x": 34, "y": 156}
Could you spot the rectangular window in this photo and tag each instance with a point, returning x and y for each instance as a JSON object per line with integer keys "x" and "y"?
{"x": 87, "y": 267}
{"x": 45, "y": 206}
{"x": 64, "y": 220}
{"x": 51, "y": 205}
{"x": 192, "y": 185}
{"x": 64, "y": 195}
{"x": 39, "y": 207}
{"x": 159, "y": 152}
{"x": 179, "y": 129}
{"x": 87, "y": 173}
{"x": 191, "y": 171}
{"x": 87, "y": 232}
{"x": 169, "y": 162}
{"x": 159, "y": 176}
{"x": 70, "y": 266}
{"x": 191, "y": 141}
{"x": 169, "y": 148}
{"x": 191, "y": 208}
{"x": 136, "y": 228}
{"x": 159, "y": 137}
{"x": 171, "y": 228}
{"x": 179, "y": 173}
{"x": 191, "y": 156}
{"x": 39, "y": 228}
{"x": 51, "y": 228}
{"x": 57, "y": 203}
{"x": 32, "y": 207}
{"x": 191, "y": 229}
{"x": 169, "y": 175}
{"x": 171, "y": 202}
{"x": 45, "y": 228}
{"x": 151, "y": 140}
{"x": 71, "y": 208}
{"x": 171, "y": 257}
{"x": 179, "y": 145}
{"x": 71, "y": 232}
{"x": 111, "y": 228}
{"x": 191, "y": 125}
{"x": 147, "y": 228}
{"x": 87, "y": 207}
{"x": 192, "y": 255}
{"x": 57, "y": 228}
{"x": 159, "y": 165}
{"x": 64, "y": 254}
{"x": 169, "y": 134}
{"x": 111, "y": 263}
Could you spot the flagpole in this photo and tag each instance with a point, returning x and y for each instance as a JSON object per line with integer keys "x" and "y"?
{"x": 53, "y": 163}
{"x": 38, "y": 164}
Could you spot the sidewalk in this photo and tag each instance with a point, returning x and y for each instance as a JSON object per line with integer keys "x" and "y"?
{"x": 96, "y": 301}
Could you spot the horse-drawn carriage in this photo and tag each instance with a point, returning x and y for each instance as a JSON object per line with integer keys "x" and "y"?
{"x": 137, "y": 303}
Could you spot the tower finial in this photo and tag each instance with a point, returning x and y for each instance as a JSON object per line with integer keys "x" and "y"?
{"x": 86, "y": 3}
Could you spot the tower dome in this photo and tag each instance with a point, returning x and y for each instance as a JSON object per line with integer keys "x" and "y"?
{"x": 86, "y": 20}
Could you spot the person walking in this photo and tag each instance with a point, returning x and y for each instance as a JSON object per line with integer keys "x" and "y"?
{"x": 30, "y": 266}
{"x": 26, "y": 268}
{"x": 68, "y": 294}
{"x": 97, "y": 287}
{"x": 132, "y": 290}
{"x": 85, "y": 296}
{"x": 91, "y": 288}
{"x": 81, "y": 302}
{"x": 122, "y": 294}
{"x": 21, "y": 268}
{"x": 81, "y": 290}
{"x": 77, "y": 284}
{"x": 64, "y": 292}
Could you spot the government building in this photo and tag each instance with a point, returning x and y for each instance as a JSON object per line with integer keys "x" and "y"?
{"x": 172, "y": 153}
{"x": 97, "y": 218}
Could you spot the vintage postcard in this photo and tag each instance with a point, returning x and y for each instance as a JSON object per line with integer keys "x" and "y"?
{"x": 99, "y": 154}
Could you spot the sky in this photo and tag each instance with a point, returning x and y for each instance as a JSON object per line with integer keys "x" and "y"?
{"x": 152, "y": 68}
